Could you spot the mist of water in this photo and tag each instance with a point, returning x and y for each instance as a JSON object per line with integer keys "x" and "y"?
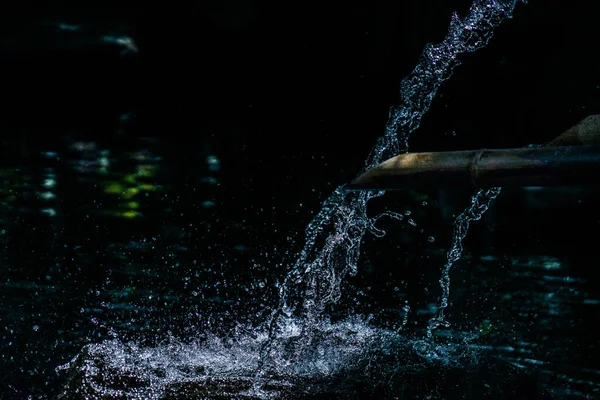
{"x": 479, "y": 204}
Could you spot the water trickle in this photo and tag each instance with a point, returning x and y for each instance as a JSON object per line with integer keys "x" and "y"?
{"x": 479, "y": 204}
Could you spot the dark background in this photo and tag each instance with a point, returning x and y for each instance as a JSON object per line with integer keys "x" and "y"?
{"x": 295, "y": 75}
{"x": 291, "y": 96}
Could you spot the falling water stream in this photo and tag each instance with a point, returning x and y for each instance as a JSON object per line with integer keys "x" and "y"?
{"x": 333, "y": 238}
{"x": 297, "y": 350}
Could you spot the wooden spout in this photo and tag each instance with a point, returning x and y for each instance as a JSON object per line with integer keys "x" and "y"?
{"x": 572, "y": 158}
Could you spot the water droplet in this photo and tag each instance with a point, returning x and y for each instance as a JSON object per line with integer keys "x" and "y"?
{"x": 287, "y": 310}
{"x": 36, "y": 328}
{"x": 431, "y": 239}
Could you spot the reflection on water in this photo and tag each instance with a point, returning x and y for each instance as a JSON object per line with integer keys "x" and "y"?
{"x": 546, "y": 302}
{"x": 127, "y": 190}
{"x": 85, "y": 253}
{"x": 101, "y": 254}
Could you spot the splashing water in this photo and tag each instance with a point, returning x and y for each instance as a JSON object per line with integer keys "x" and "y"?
{"x": 217, "y": 367}
{"x": 299, "y": 345}
{"x": 334, "y": 236}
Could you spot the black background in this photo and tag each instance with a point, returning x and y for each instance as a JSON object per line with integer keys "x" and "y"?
{"x": 292, "y": 85}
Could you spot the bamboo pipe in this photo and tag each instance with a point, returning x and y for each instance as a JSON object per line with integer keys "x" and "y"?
{"x": 572, "y": 158}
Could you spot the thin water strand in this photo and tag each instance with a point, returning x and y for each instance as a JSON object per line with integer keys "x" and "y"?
{"x": 479, "y": 204}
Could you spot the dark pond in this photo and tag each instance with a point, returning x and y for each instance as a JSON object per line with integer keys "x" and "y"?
{"x": 154, "y": 197}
